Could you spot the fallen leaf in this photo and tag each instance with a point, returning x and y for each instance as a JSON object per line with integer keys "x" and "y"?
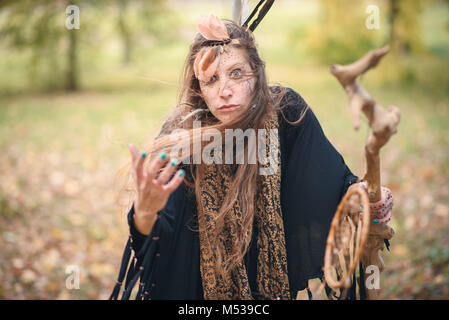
{"x": 28, "y": 276}
{"x": 441, "y": 210}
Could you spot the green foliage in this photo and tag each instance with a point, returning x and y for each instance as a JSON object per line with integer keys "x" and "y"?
{"x": 415, "y": 30}
{"x": 341, "y": 36}
{"x": 405, "y": 32}
{"x": 30, "y": 27}
{"x": 36, "y": 31}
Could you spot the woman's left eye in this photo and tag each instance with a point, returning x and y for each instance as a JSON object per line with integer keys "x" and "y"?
{"x": 236, "y": 73}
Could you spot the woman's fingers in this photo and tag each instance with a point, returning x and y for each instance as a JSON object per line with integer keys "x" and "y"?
{"x": 175, "y": 182}
{"x": 154, "y": 175}
{"x": 167, "y": 172}
{"x": 138, "y": 160}
{"x": 134, "y": 152}
{"x": 139, "y": 169}
{"x": 154, "y": 166}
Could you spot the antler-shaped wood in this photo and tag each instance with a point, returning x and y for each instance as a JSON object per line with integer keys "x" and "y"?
{"x": 383, "y": 124}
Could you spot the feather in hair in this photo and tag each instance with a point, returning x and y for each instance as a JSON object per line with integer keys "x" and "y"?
{"x": 237, "y": 7}
{"x": 240, "y": 11}
{"x": 246, "y": 11}
{"x": 196, "y": 64}
{"x": 266, "y": 7}
{"x": 206, "y": 63}
{"x": 209, "y": 63}
{"x": 253, "y": 13}
{"x": 212, "y": 28}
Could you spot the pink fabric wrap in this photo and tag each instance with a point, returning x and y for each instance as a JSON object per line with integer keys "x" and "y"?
{"x": 382, "y": 209}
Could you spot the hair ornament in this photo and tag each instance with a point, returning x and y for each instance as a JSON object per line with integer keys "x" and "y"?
{"x": 214, "y": 31}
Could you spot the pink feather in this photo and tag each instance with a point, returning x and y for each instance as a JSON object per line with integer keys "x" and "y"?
{"x": 196, "y": 64}
{"x": 206, "y": 63}
{"x": 209, "y": 64}
{"x": 212, "y": 28}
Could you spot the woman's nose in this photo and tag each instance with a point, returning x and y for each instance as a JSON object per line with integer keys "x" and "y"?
{"x": 226, "y": 90}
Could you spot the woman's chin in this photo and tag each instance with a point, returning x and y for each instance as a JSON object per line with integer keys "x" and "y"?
{"x": 228, "y": 119}
{"x": 230, "y": 116}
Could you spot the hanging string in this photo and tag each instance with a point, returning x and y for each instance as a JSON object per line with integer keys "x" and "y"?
{"x": 136, "y": 269}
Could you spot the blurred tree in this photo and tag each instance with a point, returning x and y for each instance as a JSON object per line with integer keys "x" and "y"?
{"x": 341, "y": 36}
{"x": 405, "y": 35}
{"x": 38, "y": 29}
{"x": 140, "y": 18}
{"x": 39, "y": 26}
{"x": 124, "y": 29}
{"x": 72, "y": 77}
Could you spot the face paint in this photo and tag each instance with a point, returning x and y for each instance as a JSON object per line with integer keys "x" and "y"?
{"x": 230, "y": 88}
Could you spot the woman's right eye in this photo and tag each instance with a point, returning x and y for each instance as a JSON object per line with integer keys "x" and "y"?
{"x": 211, "y": 80}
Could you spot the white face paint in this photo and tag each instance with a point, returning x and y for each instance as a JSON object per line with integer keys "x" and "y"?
{"x": 229, "y": 91}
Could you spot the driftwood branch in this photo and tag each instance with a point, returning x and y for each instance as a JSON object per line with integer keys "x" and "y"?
{"x": 383, "y": 124}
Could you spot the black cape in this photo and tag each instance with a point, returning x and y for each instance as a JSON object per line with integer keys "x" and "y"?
{"x": 314, "y": 178}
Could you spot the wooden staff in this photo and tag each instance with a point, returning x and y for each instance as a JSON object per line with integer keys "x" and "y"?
{"x": 383, "y": 124}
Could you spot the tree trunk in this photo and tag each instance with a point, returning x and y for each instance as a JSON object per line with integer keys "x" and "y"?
{"x": 404, "y": 26}
{"x": 72, "y": 72}
{"x": 394, "y": 10}
{"x": 125, "y": 33}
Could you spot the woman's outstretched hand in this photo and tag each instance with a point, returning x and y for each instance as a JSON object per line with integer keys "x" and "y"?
{"x": 153, "y": 186}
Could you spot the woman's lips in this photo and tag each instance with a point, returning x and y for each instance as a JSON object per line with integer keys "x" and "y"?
{"x": 228, "y": 108}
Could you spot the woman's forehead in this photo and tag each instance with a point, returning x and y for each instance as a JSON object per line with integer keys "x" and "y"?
{"x": 232, "y": 56}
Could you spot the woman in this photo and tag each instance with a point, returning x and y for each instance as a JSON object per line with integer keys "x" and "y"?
{"x": 214, "y": 230}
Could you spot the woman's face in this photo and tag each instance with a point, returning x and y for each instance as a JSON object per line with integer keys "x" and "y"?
{"x": 229, "y": 91}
